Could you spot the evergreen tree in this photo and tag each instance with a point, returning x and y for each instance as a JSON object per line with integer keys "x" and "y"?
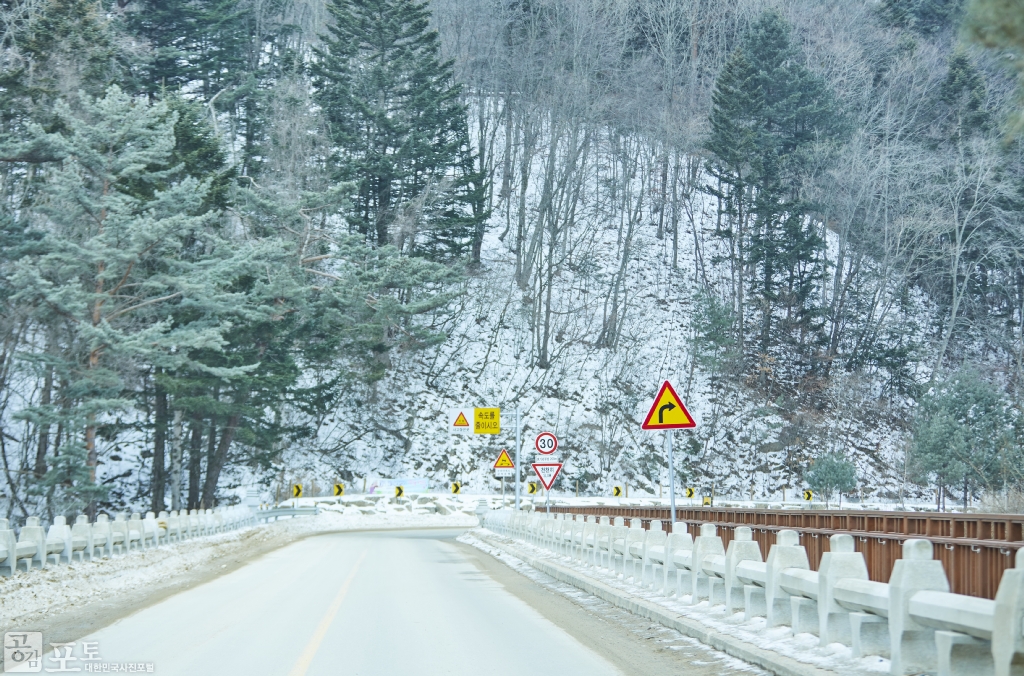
{"x": 227, "y": 53}
{"x": 962, "y": 435}
{"x": 831, "y": 474}
{"x": 393, "y": 110}
{"x": 962, "y": 100}
{"x": 190, "y": 42}
{"x": 769, "y": 116}
{"x": 926, "y": 17}
{"x": 114, "y": 259}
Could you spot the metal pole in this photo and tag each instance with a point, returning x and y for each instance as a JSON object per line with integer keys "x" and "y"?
{"x": 671, "y": 479}
{"x": 518, "y": 465}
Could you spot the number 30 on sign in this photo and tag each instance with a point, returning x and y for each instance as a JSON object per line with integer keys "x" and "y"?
{"x": 546, "y": 443}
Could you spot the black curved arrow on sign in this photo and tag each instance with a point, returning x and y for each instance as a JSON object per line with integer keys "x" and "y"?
{"x": 661, "y": 412}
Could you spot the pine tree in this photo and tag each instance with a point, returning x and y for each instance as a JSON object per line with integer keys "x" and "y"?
{"x": 962, "y": 434}
{"x": 831, "y": 474}
{"x": 190, "y": 42}
{"x": 393, "y": 110}
{"x": 769, "y": 116}
{"x": 962, "y": 97}
{"x": 117, "y": 253}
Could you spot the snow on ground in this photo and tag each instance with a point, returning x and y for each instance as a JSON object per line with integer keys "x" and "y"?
{"x": 60, "y": 587}
{"x": 802, "y": 647}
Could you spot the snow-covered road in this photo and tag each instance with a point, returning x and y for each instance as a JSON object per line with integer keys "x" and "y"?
{"x": 403, "y": 602}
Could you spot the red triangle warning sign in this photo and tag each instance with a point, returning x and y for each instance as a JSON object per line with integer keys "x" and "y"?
{"x": 547, "y": 472}
{"x": 461, "y": 421}
{"x": 503, "y": 460}
{"x": 668, "y": 411}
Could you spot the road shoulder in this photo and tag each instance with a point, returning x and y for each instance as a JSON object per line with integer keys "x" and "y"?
{"x": 633, "y": 644}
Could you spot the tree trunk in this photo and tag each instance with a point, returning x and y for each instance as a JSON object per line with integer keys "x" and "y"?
{"x": 159, "y": 480}
{"x": 662, "y": 197}
{"x": 44, "y": 428}
{"x": 215, "y": 463}
{"x": 195, "y": 455}
{"x": 175, "y": 462}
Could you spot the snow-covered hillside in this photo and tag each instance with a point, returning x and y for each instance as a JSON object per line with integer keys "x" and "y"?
{"x": 595, "y": 396}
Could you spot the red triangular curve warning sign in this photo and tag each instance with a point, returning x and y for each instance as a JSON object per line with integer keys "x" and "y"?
{"x": 668, "y": 411}
{"x": 461, "y": 421}
{"x": 547, "y": 472}
{"x": 503, "y": 460}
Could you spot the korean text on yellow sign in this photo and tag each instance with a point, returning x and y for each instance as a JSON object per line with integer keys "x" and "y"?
{"x": 486, "y": 421}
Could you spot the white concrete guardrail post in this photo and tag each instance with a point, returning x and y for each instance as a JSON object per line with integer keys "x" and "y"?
{"x": 786, "y": 553}
{"x": 912, "y": 645}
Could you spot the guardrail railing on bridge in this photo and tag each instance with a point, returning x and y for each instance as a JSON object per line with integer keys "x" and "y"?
{"x": 975, "y": 549}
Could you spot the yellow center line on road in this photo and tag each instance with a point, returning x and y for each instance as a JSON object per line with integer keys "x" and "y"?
{"x": 306, "y": 658}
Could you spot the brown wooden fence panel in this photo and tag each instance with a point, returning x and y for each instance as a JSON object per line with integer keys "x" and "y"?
{"x": 974, "y": 549}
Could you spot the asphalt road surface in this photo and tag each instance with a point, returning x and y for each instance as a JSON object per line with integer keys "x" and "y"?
{"x": 385, "y": 603}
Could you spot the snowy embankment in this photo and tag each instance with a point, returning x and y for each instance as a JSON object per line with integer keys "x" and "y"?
{"x": 802, "y": 648}
{"x": 58, "y": 588}
{"x": 592, "y": 393}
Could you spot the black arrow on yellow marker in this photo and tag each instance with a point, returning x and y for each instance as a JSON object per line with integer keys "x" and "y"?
{"x": 661, "y": 412}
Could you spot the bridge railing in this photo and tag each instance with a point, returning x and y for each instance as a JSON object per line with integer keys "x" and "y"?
{"x": 975, "y": 549}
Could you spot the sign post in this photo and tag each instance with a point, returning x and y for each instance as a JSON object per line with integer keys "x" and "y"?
{"x": 669, "y": 413}
{"x": 518, "y": 465}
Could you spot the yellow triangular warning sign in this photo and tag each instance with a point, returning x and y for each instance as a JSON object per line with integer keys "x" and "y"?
{"x": 461, "y": 421}
{"x": 668, "y": 411}
{"x": 503, "y": 460}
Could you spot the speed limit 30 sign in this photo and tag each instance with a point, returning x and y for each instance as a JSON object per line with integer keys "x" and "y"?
{"x": 546, "y": 443}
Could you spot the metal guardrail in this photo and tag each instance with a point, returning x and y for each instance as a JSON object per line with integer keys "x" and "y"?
{"x": 975, "y": 549}
{"x": 278, "y": 512}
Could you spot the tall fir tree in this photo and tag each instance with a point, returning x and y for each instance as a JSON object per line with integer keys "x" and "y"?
{"x": 769, "y": 116}
{"x": 962, "y": 100}
{"x": 393, "y": 111}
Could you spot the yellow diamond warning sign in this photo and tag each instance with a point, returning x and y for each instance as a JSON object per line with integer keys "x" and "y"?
{"x": 503, "y": 460}
{"x": 668, "y": 411}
